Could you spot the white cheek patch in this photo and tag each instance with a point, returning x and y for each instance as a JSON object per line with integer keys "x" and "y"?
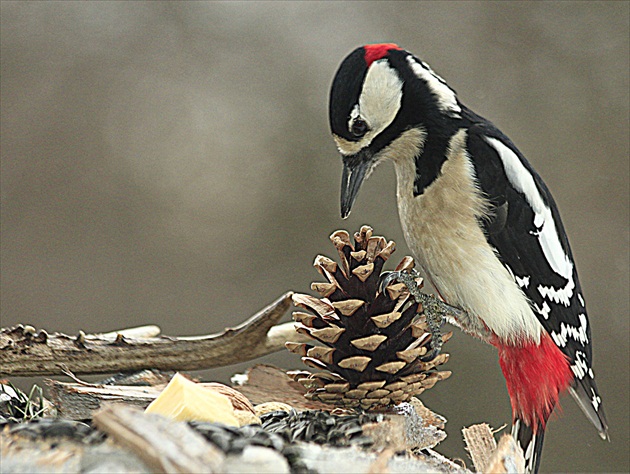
{"x": 547, "y": 234}
{"x": 381, "y": 96}
{"x": 447, "y": 100}
{"x": 378, "y": 105}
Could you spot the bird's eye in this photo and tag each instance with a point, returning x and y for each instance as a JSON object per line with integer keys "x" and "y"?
{"x": 359, "y": 128}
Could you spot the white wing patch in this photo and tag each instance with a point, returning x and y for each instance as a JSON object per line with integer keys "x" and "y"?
{"x": 543, "y": 310}
{"x": 581, "y": 300}
{"x": 522, "y": 282}
{"x": 596, "y": 400}
{"x": 580, "y": 368}
{"x": 567, "y": 331}
{"x": 447, "y": 100}
{"x": 547, "y": 234}
{"x": 562, "y": 295}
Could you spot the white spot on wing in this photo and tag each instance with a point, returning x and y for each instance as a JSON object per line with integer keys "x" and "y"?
{"x": 581, "y": 299}
{"x": 522, "y": 282}
{"x": 561, "y": 295}
{"x": 580, "y": 368}
{"x": 547, "y": 233}
{"x": 543, "y": 310}
{"x": 596, "y": 400}
{"x": 576, "y": 333}
{"x": 447, "y": 100}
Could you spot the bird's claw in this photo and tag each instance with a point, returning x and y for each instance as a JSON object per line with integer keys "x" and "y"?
{"x": 434, "y": 318}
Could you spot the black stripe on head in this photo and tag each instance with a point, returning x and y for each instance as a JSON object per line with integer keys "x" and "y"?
{"x": 345, "y": 92}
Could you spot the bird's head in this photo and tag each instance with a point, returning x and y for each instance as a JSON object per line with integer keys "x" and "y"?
{"x": 379, "y": 95}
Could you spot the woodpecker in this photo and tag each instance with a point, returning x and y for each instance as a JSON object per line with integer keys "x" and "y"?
{"x": 481, "y": 223}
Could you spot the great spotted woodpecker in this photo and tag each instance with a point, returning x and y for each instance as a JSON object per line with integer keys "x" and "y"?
{"x": 482, "y": 224}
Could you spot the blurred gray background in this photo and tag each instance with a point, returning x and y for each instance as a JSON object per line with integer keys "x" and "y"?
{"x": 170, "y": 163}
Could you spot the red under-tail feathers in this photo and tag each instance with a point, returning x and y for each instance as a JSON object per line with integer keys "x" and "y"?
{"x": 535, "y": 374}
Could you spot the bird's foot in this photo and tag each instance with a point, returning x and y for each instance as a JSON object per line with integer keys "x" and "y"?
{"x": 434, "y": 309}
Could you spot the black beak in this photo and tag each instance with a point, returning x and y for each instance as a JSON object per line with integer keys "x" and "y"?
{"x": 355, "y": 169}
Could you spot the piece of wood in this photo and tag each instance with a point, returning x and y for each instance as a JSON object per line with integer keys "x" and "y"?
{"x": 27, "y": 352}
{"x": 508, "y": 457}
{"x": 78, "y": 400}
{"x": 480, "y": 444}
{"x": 164, "y": 445}
{"x": 265, "y": 383}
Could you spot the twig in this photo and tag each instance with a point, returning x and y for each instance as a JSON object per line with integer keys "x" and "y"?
{"x": 25, "y": 352}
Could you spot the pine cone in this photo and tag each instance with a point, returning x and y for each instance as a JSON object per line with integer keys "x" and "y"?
{"x": 372, "y": 342}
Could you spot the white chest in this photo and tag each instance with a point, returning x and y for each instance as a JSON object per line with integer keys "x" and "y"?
{"x": 442, "y": 230}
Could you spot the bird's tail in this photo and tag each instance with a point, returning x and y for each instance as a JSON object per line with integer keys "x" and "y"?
{"x": 531, "y": 442}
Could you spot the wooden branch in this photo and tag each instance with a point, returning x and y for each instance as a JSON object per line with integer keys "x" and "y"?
{"x": 26, "y": 352}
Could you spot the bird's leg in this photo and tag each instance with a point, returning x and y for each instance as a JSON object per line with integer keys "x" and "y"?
{"x": 435, "y": 310}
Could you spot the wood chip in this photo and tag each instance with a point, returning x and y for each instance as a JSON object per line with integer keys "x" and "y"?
{"x": 165, "y": 445}
{"x": 508, "y": 457}
{"x": 480, "y": 444}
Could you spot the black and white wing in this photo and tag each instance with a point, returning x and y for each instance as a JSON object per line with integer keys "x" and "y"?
{"x": 527, "y": 232}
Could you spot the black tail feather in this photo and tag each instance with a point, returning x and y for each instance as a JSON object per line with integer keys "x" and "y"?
{"x": 585, "y": 394}
{"x": 531, "y": 443}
